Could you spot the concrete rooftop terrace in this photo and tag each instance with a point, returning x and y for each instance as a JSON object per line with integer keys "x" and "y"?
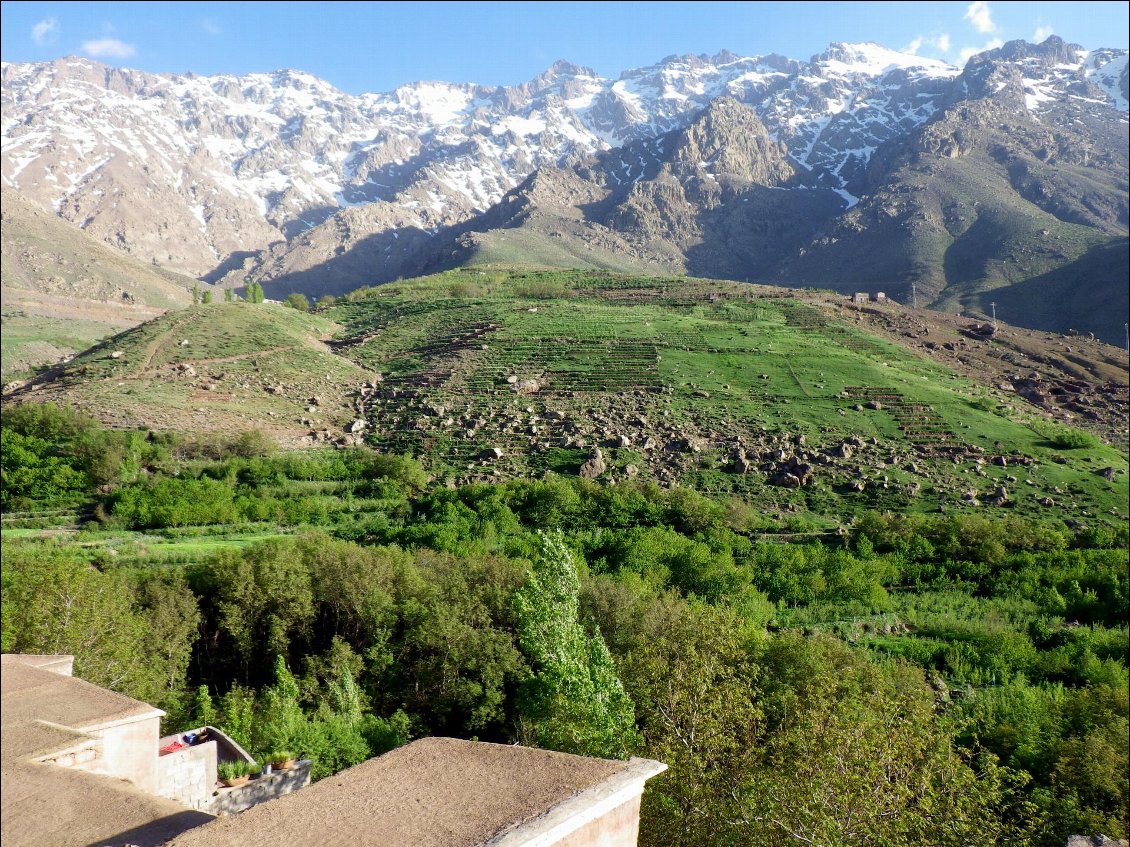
{"x": 442, "y": 792}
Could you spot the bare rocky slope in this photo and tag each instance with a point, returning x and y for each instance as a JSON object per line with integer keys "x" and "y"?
{"x": 62, "y": 290}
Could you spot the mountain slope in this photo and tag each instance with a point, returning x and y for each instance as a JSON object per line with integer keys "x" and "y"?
{"x": 903, "y": 171}
{"x": 232, "y": 164}
{"x": 63, "y": 290}
{"x": 1017, "y": 180}
{"x": 1002, "y": 187}
{"x": 796, "y": 399}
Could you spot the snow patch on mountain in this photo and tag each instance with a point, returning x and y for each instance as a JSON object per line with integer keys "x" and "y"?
{"x": 240, "y": 162}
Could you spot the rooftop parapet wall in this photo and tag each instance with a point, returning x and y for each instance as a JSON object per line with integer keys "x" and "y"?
{"x": 268, "y": 786}
{"x": 606, "y": 815}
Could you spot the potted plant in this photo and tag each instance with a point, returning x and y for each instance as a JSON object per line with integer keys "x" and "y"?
{"x": 281, "y": 760}
{"x": 234, "y": 773}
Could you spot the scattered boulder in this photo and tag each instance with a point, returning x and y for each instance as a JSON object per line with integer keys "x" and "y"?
{"x": 491, "y": 454}
{"x": 594, "y": 466}
{"x": 356, "y": 426}
{"x": 117, "y": 354}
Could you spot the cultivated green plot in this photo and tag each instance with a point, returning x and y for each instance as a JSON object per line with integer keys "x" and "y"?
{"x": 528, "y": 371}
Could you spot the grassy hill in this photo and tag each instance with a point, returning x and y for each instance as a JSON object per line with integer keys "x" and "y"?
{"x": 795, "y": 399}
{"x": 497, "y": 373}
{"x": 216, "y": 368}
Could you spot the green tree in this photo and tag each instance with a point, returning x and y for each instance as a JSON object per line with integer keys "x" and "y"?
{"x": 264, "y": 599}
{"x": 206, "y": 297}
{"x": 855, "y": 754}
{"x": 694, "y": 686}
{"x": 229, "y": 295}
{"x": 298, "y": 301}
{"x": 574, "y": 701}
{"x": 254, "y": 292}
{"x": 55, "y": 603}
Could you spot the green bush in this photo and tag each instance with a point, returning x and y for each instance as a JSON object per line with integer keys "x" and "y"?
{"x": 298, "y": 301}
{"x": 1066, "y": 437}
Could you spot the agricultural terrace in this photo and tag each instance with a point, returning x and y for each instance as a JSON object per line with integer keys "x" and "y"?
{"x": 722, "y": 387}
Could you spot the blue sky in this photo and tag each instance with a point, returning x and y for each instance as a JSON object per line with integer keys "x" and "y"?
{"x": 361, "y": 47}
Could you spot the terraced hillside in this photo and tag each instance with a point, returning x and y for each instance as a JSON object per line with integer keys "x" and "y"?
{"x": 797, "y": 399}
{"x": 215, "y": 368}
{"x": 720, "y": 387}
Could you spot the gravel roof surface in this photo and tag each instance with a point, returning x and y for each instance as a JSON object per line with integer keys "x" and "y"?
{"x": 435, "y": 792}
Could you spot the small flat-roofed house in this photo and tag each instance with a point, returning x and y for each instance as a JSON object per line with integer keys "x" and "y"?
{"x": 81, "y": 766}
{"x": 442, "y": 792}
{"x": 78, "y": 762}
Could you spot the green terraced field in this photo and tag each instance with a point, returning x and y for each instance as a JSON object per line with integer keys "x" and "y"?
{"x": 669, "y": 377}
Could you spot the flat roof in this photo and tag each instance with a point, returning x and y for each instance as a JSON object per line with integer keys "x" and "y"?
{"x": 31, "y": 696}
{"x": 49, "y": 806}
{"x": 435, "y": 792}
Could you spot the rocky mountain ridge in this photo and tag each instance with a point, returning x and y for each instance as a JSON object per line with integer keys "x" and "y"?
{"x": 281, "y": 177}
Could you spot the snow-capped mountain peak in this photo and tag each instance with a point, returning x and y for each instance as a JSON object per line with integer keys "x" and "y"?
{"x": 232, "y": 164}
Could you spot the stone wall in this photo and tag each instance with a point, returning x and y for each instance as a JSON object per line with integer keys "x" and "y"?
{"x": 267, "y": 787}
{"x": 188, "y": 775}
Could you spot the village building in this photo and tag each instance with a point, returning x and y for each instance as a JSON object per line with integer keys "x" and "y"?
{"x": 81, "y": 765}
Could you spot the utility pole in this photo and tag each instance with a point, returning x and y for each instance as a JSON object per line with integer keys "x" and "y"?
{"x": 993, "y": 306}
{"x": 1127, "y": 328}
{"x": 913, "y": 295}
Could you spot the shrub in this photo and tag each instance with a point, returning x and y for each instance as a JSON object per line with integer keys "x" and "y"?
{"x": 234, "y": 770}
{"x": 1066, "y": 437}
{"x": 298, "y": 301}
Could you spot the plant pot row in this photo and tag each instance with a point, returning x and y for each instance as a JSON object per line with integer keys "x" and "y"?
{"x": 243, "y": 773}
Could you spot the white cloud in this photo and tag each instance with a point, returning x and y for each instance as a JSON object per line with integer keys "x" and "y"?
{"x": 980, "y": 16}
{"x": 45, "y": 31}
{"x": 941, "y": 43}
{"x": 968, "y": 53}
{"x": 210, "y": 26}
{"x": 108, "y": 48}
{"x": 1042, "y": 33}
